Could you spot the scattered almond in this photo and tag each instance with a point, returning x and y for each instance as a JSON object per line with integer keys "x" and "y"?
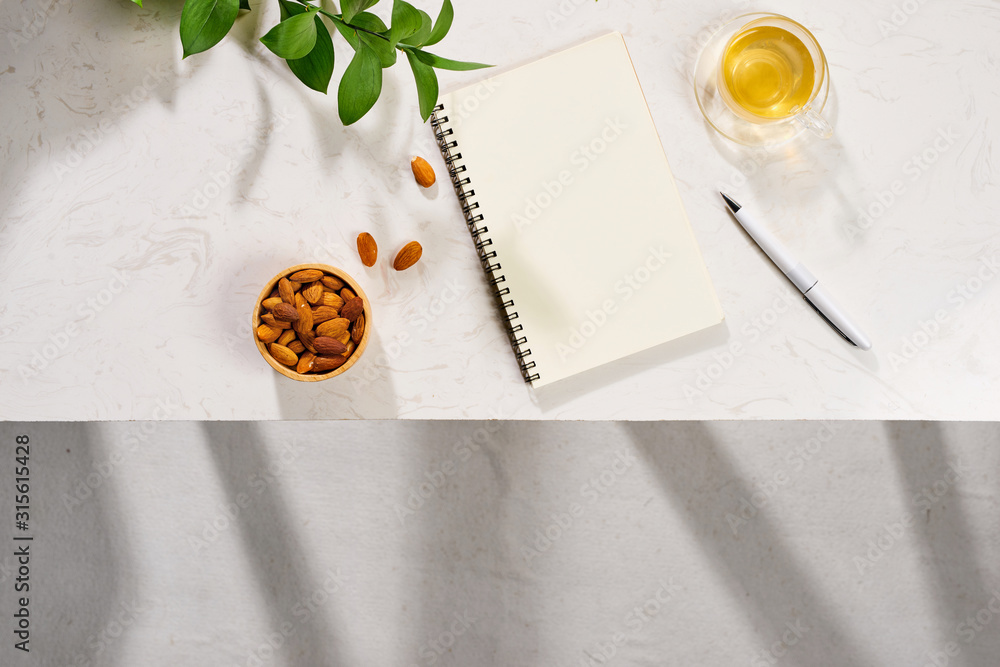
{"x": 367, "y": 249}
{"x": 408, "y": 256}
{"x": 422, "y": 172}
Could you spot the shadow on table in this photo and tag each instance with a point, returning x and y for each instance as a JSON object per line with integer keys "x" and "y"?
{"x": 930, "y": 471}
{"x": 82, "y": 585}
{"x": 464, "y": 541}
{"x": 285, "y": 571}
{"x": 147, "y": 70}
{"x": 701, "y": 480}
{"x": 364, "y": 391}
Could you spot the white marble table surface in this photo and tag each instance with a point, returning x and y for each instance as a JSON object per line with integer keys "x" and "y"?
{"x": 144, "y": 201}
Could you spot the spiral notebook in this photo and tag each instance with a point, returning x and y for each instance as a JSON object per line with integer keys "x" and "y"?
{"x": 574, "y": 212}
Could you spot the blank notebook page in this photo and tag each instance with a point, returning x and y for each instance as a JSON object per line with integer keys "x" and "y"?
{"x": 581, "y": 207}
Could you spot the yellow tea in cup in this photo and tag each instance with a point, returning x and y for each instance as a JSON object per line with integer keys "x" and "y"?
{"x": 768, "y": 72}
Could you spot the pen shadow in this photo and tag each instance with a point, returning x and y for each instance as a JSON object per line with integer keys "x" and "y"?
{"x": 553, "y": 396}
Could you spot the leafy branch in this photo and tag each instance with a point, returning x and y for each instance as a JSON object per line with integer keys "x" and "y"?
{"x": 303, "y": 40}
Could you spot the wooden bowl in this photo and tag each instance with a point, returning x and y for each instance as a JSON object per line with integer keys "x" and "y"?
{"x": 290, "y": 372}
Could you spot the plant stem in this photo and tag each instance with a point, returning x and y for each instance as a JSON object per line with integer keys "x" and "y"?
{"x": 339, "y": 18}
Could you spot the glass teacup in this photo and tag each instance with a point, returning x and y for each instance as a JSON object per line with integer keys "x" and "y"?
{"x": 772, "y": 71}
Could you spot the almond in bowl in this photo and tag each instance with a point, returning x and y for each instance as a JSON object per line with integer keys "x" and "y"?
{"x": 311, "y": 322}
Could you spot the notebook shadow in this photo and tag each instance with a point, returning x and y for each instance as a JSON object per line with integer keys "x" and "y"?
{"x": 286, "y": 574}
{"x": 555, "y": 395}
{"x": 702, "y": 481}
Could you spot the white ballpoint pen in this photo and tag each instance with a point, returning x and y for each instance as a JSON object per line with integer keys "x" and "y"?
{"x": 815, "y": 294}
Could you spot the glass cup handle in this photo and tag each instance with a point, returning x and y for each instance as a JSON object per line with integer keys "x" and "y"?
{"x": 814, "y": 122}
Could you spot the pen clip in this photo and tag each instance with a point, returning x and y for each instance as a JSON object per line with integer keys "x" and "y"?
{"x": 832, "y": 325}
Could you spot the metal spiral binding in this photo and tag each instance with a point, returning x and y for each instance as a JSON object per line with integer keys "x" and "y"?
{"x": 479, "y": 232}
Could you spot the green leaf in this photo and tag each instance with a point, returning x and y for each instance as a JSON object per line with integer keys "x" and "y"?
{"x": 205, "y": 22}
{"x": 364, "y": 20}
{"x": 371, "y": 22}
{"x": 138, "y": 2}
{"x": 293, "y": 38}
{"x": 316, "y": 68}
{"x": 417, "y": 38}
{"x": 349, "y": 33}
{"x": 386, "y": 54}
{"x": 244, "y": 4}
{"x": 443, "y": 24}
{"x": 427, "y": 84}
{"x": 349, "y": 8}
{"x": 360, "y": 86}
{"x": 444, "y": 63}
{"x": 406, "y": 20}
{"x": 289, "y": 8}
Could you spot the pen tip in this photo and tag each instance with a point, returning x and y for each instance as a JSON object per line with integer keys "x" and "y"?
{"x": 731, "y": 202}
